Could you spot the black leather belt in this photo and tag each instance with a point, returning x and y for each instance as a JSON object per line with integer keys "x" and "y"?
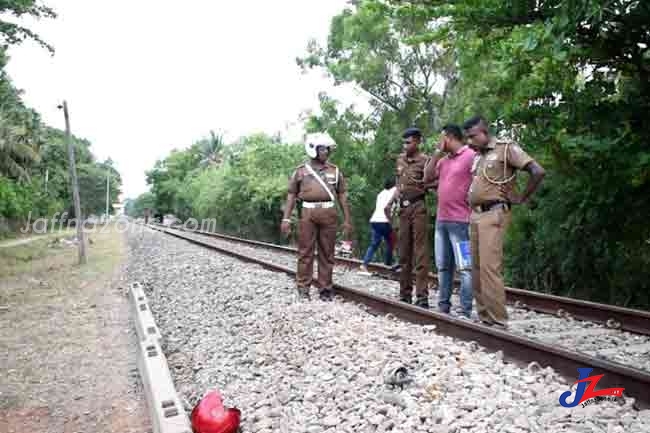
{"x": 485, "y": 207}
{"x": 406, "y": 202}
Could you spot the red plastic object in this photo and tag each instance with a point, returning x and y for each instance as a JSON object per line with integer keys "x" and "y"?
{"x": 209, "y": 415}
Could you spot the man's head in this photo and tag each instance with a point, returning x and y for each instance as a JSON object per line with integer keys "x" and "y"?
{"x": 319, "y": 145}
{"x": 412, "y": 138}
{"x": 452, "y": 137}
{"x": 477, "y": 132}
{"x": 322, "y": 153}
{"x": 389, "y": 182}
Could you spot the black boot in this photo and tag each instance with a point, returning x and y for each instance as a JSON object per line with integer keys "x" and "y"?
{"x": 325, "y": 295}
{"x": 422, "y": 302}
{"x": 406, "y": 299}
{"x": 303, "y": 293}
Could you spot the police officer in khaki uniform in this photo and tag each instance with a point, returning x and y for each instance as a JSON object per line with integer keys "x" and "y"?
{"x": 317, "y": 184}
{"x": 413, "y": 219}
{"x": 491, "y": 196}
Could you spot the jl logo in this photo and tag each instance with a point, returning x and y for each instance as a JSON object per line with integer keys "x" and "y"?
{"x": 587, "y": 389}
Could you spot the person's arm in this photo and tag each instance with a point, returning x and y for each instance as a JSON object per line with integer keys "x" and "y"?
{"x": 285, "y": 226}
{"x": 519, "y": 159}
{"x": 430, "y": 170}
{"x": 389, "y": 205}
{"x": 536, "y": 173}
{"x": 347, "y": 216}
{"x": 345, "y": 206}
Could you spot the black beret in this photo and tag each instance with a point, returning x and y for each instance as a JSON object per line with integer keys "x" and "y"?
{"x": 412, "y": 132}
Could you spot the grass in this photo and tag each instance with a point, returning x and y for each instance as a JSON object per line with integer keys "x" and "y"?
{"x": 56, "y": 265}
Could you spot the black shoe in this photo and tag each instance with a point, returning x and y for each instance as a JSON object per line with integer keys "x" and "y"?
{"x": 325, "y": 295}
{"x": 303, "y": 293}
{"x": 422, "y": 303}
{"x": 406, "y": 299}
{"x": 494, "y": 324}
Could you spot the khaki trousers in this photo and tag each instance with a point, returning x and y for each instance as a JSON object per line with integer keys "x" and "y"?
{"x": 414, "y": 244}
{"x": 316, "y": 227}
{"x": 486, "y": 236}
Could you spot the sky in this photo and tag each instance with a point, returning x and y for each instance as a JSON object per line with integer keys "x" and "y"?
{"x": 144, "y": 77}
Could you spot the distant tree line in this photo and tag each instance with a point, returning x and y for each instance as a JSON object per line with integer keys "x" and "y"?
{"x": 33, "y": 156}
{"x": 570, "y": 79}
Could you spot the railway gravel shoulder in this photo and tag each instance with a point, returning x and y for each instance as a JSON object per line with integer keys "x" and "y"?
{"x": 583, "y": 336}
{"x": 317, "y": 367}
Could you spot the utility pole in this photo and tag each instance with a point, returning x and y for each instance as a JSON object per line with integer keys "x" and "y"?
{"x": 108, "y": 189}
{"x": 75, "y": 187}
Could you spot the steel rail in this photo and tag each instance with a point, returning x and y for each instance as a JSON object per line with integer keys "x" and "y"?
{"x": 515, "y": 348}
{"x": 626, "y": 319}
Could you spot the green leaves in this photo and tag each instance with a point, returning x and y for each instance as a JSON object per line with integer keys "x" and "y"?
{"x": 12, "y": 33}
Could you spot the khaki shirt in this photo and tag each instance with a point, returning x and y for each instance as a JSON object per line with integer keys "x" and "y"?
{"x": 410, "y": 174}
{"x": 493, "y": 166}
{"x": 308, "y": 188}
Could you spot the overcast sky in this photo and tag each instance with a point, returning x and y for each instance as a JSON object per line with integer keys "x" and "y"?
{"x": 142, "y": 77}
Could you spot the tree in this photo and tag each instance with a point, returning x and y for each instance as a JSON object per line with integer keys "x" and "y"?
{"x": 575, "y": 75}
{"x": 169, "y": 178}
{"x": 211, "y": 150}
{"x": 377, "y": 48}
{"x": 12, "y": 33}
{"x": 135, "y": 208}
{"x": 20, "y": 130}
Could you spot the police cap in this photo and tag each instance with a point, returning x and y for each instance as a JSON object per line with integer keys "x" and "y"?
{"x": 412, "y": 132}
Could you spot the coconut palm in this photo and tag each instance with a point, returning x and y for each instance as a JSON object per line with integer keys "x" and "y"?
{"x": 211, "y": 150}
{"x": 20, "y": 140}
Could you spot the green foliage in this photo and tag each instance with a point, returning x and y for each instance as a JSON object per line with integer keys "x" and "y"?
{"x": 569, "y": 78}
{"x": 20, "y": 130}
{"x": 92, "y": 187}
{"x": 15, "y": 199}
{"x": 135, "y": 208}
{"x": 33, "y": 157}
{"x": 12, "y": 33}
{"x": 575, "y": 75}
{"x": 379, "y": 49}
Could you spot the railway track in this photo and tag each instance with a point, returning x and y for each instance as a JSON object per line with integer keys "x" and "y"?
{"x": 613, "y": 317}
{"x": 516, "y": 346}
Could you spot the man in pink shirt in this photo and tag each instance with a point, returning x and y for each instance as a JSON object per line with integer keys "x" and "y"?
{"x": 450, "y": 169}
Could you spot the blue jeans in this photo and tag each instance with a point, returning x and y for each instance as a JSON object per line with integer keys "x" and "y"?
{"x": 379, "y": 231}
{"x": 449, "y": 233}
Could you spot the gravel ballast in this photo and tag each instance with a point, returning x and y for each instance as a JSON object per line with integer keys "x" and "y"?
{"x": 311, "y": 366}
{"x": 583, "y": 336}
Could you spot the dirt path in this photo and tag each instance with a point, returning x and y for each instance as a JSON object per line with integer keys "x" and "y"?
{"x": 67, "y": 344}
{"x": 28, "y": 239}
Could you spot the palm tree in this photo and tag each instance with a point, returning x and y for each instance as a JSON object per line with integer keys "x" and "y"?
{"x": 211, "y": 150}
{"x": 19, "y": 145}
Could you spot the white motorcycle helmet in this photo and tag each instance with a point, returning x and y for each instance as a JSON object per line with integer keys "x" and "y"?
{"x": 312, "y": 141}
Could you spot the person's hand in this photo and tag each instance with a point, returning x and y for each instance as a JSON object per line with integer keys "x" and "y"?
{"x": 513, "y": 197}
{"x": 285, "y": 227}
{"x": 347, "y": 229}
{"x": 387, "y": 211}
{"x": 441, "y": 144}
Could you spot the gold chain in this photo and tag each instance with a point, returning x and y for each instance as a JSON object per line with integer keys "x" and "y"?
{"x": 505, "y": 168}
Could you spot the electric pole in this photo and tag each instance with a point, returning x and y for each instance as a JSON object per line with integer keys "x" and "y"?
{"x": 108, "y": 189}
{"x": 75, "y": 187}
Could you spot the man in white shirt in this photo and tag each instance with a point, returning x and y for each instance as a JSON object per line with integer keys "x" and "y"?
{"x": 381, "y": 226}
